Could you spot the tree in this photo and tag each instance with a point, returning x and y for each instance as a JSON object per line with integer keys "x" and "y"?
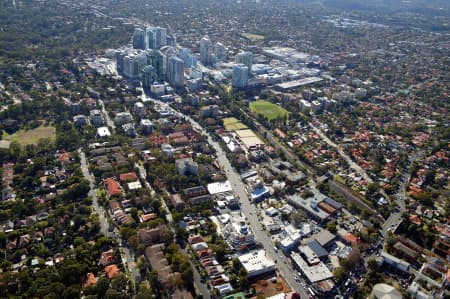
{"x": 119, "y": 282}
{"x": 102, "y": 286}
{"x": 144, "y": 293}
{"x": 372, "y": 265}
{"x": 71, "y": 292}
{"x": 340, "y": 274}
{"x": 113, "y": 294}
{"x": 331, "y": 226}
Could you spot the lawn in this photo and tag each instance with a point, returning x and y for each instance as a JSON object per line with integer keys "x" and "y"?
{"x": 269, "y": 110}
{"x": 233, "y": 124}
{"x": 24, "y": 137}
{"x": 253, "y": 37}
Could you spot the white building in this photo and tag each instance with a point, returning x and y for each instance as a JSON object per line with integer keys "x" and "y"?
{"x": 256, "y": 263}
{"x": 291, "y": 238}
{"x": 314, "y": 273}
{"x": 139, "y": 109}
{"x": 103, "y": 132}
{"x": 219, "y": 187}
{"x": 237, "y": 234}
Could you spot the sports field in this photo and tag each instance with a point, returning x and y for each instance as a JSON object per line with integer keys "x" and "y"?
{"x": 24, "y": 137}
{"x": 233, "y": 124}
{"x": 253, "y": 37}
{"x": 269, "y": 110}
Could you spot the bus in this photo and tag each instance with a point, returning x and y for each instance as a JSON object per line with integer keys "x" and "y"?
{"x": 311, "y": 292}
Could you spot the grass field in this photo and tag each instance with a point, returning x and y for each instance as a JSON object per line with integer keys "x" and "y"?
{"x": 232, "y": 123}
{"x": 269, "y": 110}
{"x": 31, "y": 136}
{"x": 254, "y": 37}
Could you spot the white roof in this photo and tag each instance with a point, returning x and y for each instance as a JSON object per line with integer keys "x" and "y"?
{"x": 256, "y": 261}
{"x": 314, "y": 273}
{"x": 271, "y": 211}
{"x": 385, "y": 291}
{"x": 200, "y": 246}
{"x": 278, "y": 296}
{"x": 134, "y": 185}
{"x": 219, "y": 187}
{"x": 309, "y": 254}
{"x": 224, "y": 218}
{"x": 103, "y": 132}
{"x": 221, "y": 204}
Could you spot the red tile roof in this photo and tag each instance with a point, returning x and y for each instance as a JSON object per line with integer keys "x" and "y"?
{"x": 351, "y": 238}
{"x": 90, "y": 280}
{"x": 112, "y": 186}
{"x": 128, "y": 177}
{"x": 112, "y": 270}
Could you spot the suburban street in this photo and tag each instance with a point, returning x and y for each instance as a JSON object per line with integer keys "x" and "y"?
{"x": 291, "y": 157}
{"x": 127, "y": 258}
{"x": 201, "y": 287}
{"x": 248, "y": 209}
{"x": 341, "y": 152}
{"x": 108, "y": 120}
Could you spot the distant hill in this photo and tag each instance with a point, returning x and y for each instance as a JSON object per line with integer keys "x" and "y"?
{"x": 439, "y": 7}
{"x": 425, "y": 7}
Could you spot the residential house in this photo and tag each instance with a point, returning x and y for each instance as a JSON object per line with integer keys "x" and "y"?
{"x": 112, "y": 187}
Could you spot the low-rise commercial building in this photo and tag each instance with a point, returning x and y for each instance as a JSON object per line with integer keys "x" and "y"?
{"x": 256, "y": 263}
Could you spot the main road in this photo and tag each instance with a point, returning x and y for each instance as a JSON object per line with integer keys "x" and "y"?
{"x": 248, "y": 209}
{"x": 395, "y": 218}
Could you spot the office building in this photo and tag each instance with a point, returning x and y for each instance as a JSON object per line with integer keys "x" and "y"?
{"x": 171, "y": 40}
{"x": 119, "y": 55}
{"x": 139, "y": 39}
{"x": 194, "y": 84}
{"x": 160, "y": 64}
{"x": 149, "y": 76}
{"x": 161, "y": 37}
{"x": 220, "y": 52}
{"x": 206, "y": 51}
{"x": 188, "y": 58}
{"x": 245, "y": 58}
{"x": 156, "y": 37}
{"x": 176, "y": 71}
{"x": 240, "y": 76}
{"x": 150, "y": 38}
{"x": 133, "y": 64}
